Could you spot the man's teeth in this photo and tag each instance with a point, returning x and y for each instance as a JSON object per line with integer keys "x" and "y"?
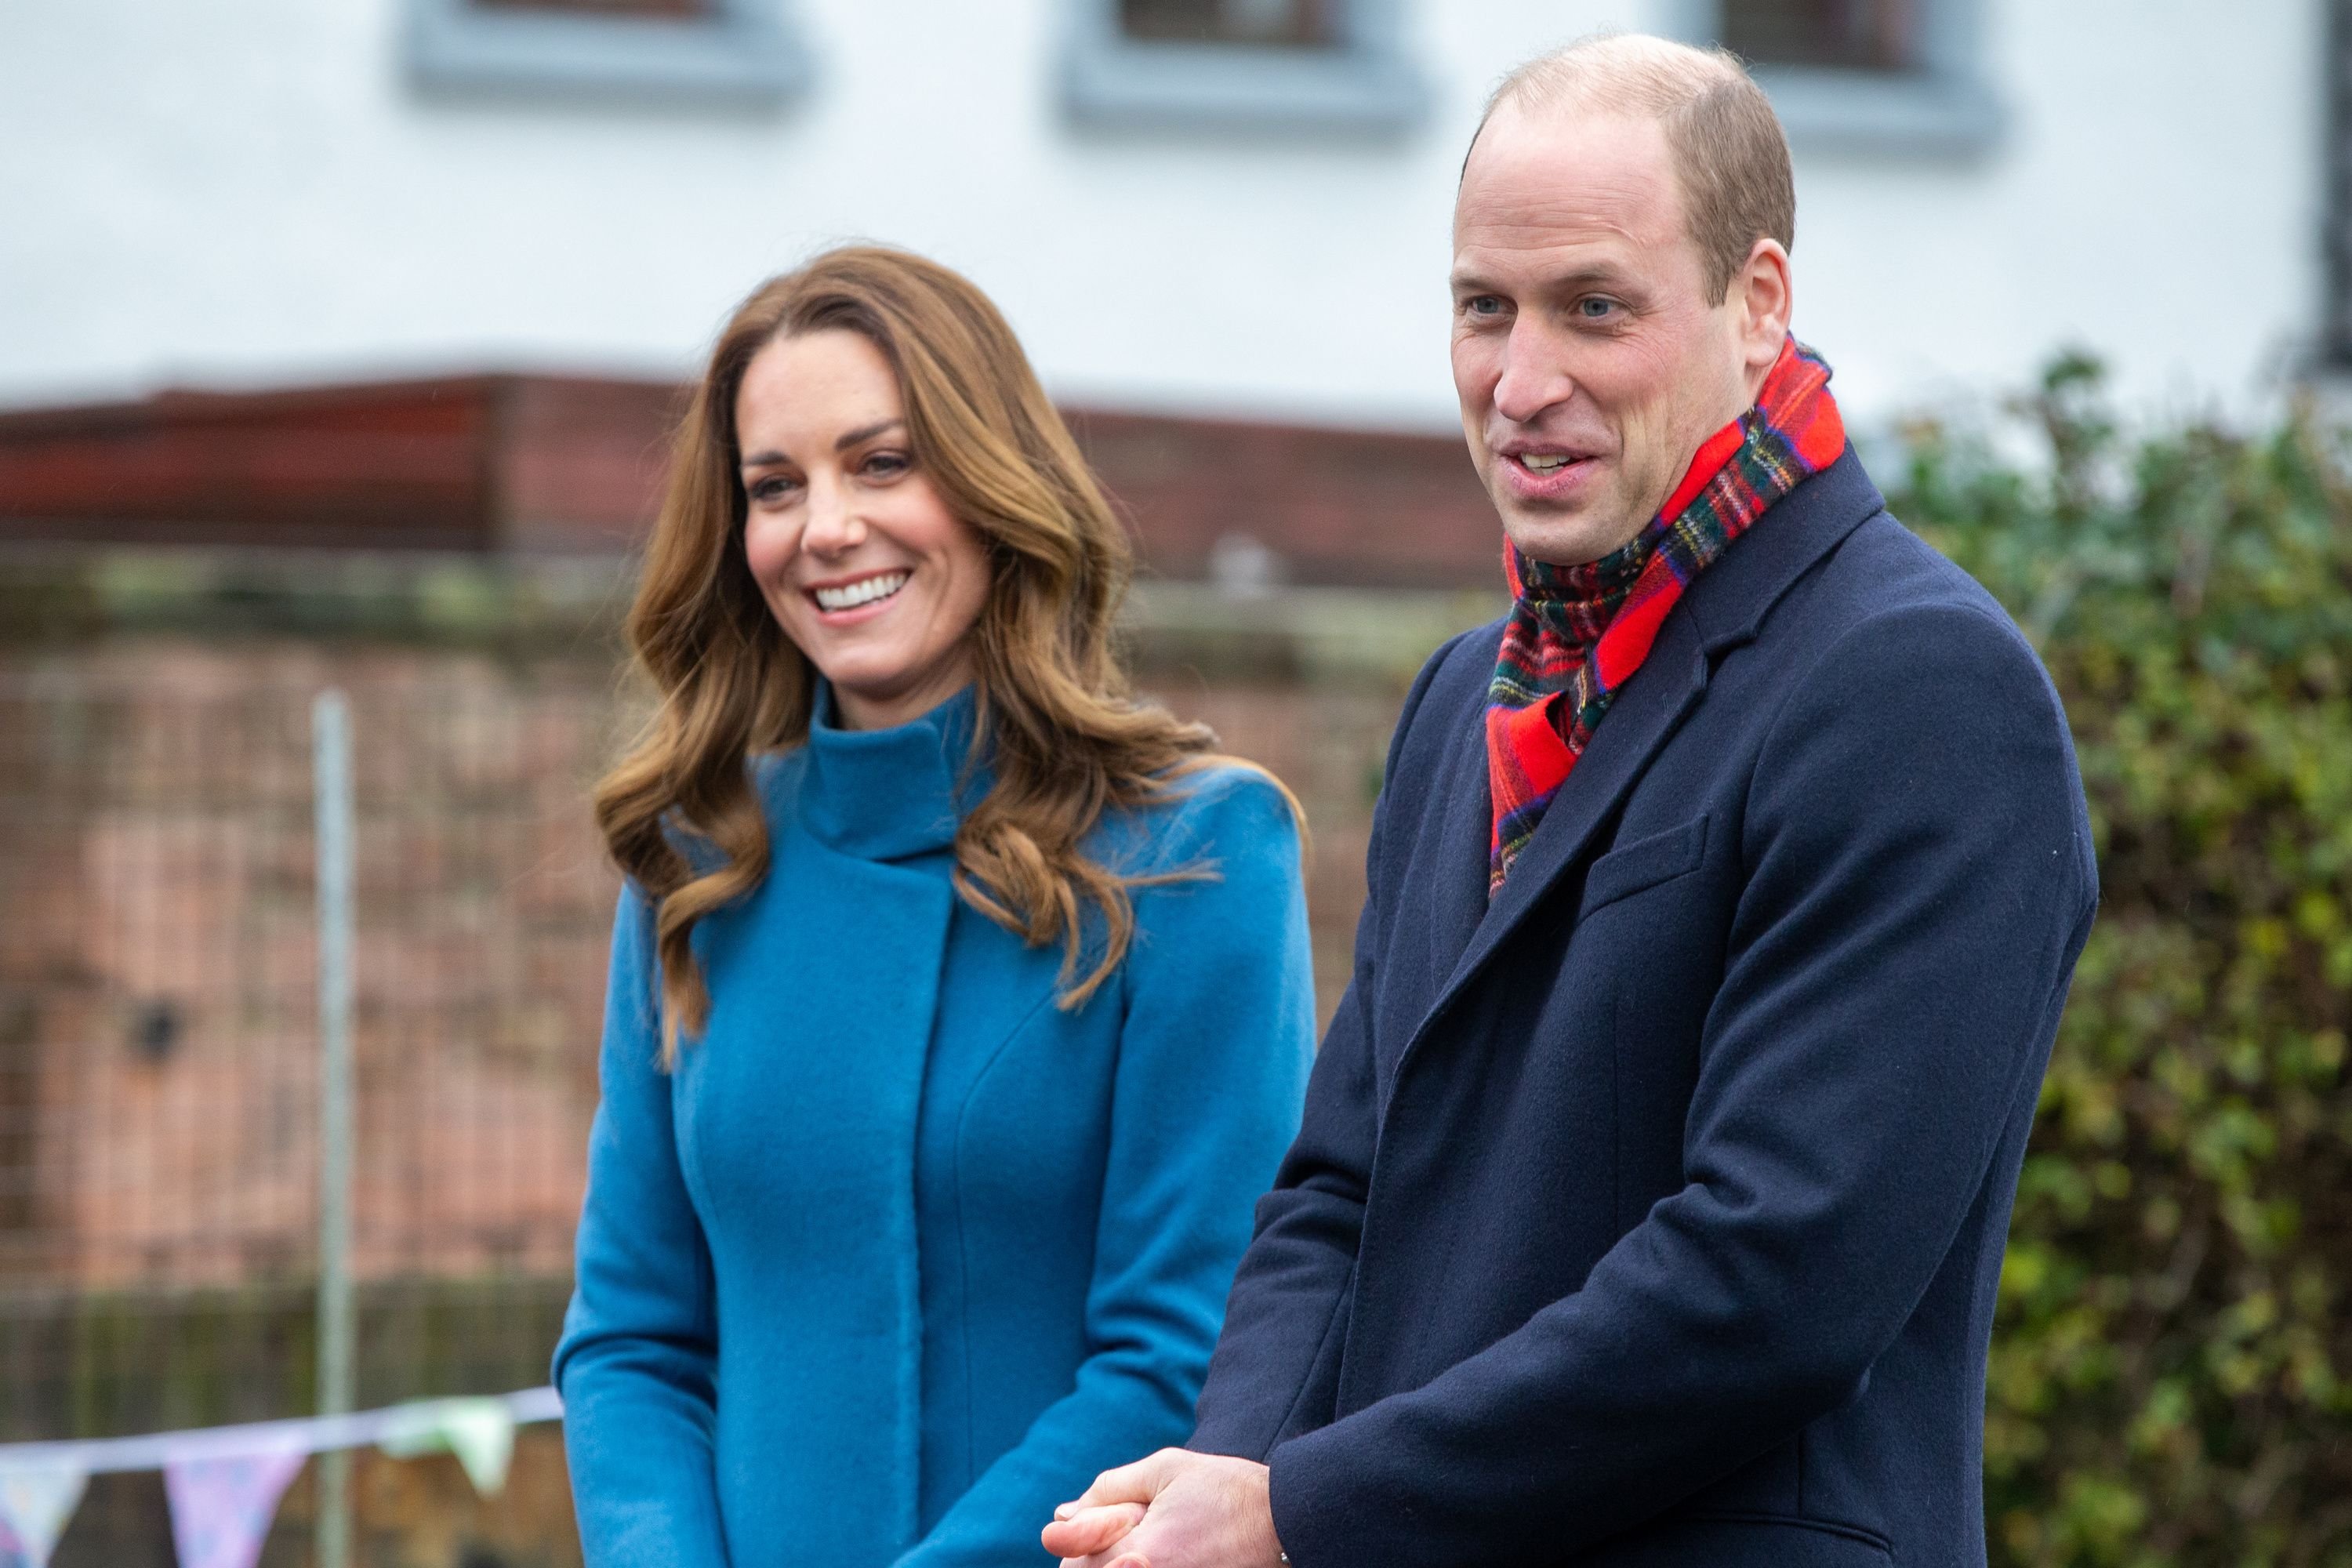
{"x": 850, "y": 595}
{"x": 1544, "y": 462}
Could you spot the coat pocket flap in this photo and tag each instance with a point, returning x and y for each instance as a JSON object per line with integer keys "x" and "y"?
{"x": 1644, "y": 863}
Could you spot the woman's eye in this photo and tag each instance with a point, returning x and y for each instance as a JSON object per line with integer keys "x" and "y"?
{"x": 887, "y": 464}
{"x": 772, "y": 489}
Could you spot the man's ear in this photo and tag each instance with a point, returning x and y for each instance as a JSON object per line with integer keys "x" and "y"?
{"x": 1762, "y": 298}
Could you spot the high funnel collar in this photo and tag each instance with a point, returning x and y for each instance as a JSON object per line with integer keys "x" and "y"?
{"x": 890, "y": 795}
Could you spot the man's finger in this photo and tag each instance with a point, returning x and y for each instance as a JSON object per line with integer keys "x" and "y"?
{"x": 1092, "y": 1530}
{"x": 1124, "y": 1559}
{"x": 1138, "y": 1482}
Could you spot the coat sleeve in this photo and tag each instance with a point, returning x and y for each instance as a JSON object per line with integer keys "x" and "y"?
{"x": 637, "y": 1362}
{"x": 1275, "y": 1365}
{"x": 1919, "y": 883}
{"x": 1217, "y": 1033}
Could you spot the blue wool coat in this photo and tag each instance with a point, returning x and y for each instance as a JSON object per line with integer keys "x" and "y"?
{"x": 1651, "y": 1214}
{"x": 903, "y": 1254}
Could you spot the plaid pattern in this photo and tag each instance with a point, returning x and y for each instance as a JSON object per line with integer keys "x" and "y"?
{"x": 1577, "y": 633}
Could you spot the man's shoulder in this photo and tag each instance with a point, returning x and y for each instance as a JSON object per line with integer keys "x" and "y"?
{"x": 1462, "y": 671}
{"x": 1892, "y": 652}
{"x": 1887, "y": 579}
{"x": 1449, "y": 694}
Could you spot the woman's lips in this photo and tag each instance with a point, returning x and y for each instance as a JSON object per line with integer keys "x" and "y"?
{"x": 860, "y": 598}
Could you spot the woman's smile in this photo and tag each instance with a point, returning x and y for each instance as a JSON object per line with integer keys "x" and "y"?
{"x": 842, "y": 602}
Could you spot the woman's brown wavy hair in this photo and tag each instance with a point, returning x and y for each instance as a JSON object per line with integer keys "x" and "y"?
{"x": 1068, "y": 740}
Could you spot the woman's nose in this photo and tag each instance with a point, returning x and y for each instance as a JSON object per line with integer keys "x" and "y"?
{"x": 833, "y": 524}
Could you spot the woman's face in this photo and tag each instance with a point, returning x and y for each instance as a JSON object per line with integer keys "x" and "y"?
{"x": 855, "y": 552}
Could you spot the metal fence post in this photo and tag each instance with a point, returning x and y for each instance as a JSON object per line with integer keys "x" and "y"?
{"x": 330, "y": 737}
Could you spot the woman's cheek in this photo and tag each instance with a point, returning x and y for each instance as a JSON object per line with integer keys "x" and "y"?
{"x": 767, "y": 549}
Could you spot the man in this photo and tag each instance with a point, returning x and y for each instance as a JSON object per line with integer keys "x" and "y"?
{"x": 1650, "y": 1202}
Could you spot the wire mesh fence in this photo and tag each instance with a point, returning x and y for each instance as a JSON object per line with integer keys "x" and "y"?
{"x": 161, "y": 1041}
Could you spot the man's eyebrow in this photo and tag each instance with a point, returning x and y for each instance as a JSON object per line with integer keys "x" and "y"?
{"x": 1598, "y": 274}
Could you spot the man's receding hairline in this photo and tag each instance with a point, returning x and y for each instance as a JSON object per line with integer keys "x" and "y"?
{"x": 1729, "y": 156}
{"x": 1627, "y": 73}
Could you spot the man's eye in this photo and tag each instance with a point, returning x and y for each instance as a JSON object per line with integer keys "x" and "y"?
{"x": 1482, "y": 305}
{"x": 1594, "y": 308}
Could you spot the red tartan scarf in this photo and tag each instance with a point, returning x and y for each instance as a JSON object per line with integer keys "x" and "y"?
{"x": 1577, "y": 633}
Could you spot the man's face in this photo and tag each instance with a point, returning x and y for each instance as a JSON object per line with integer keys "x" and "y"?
{"x": 1589, "y": 364}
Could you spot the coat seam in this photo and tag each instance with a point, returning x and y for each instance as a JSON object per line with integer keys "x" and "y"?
{"x": 1322, "y": 1342}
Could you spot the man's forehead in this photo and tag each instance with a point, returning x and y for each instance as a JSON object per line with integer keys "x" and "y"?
{"x": 1555, "y": 176}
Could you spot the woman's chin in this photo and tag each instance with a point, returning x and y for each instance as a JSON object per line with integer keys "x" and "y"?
{"x": 874, "y": 694}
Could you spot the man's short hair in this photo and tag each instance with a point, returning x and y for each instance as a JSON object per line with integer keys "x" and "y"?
{"x": 1728, "y": 149}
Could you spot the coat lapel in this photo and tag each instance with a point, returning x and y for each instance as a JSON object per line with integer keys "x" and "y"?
{"x": 1644, "y": 714}
{"x": 1457, "y": 895}
{"x": 1726, "y": 605}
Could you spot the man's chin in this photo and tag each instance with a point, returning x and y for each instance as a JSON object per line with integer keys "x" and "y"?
{"x": 1567, "y": 537}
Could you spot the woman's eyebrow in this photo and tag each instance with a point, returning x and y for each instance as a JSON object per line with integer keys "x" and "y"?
{"x": 865, "y": 432}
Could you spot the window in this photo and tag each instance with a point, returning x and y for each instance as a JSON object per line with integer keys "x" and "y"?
{"x": 703, "y": 54}
{"x": 1265, "y": 65}
{"x": 1278, "y": 24}
{"x": 1880, "y": 76}
{"x": 2336, "y": 213}
{"x": 1829, "y": 35}
{"x": 671, "y": 8}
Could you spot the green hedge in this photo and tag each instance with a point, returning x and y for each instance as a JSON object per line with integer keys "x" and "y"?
{"x": 2171, "y": 1378}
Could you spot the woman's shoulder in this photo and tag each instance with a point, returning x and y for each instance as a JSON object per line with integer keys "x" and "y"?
{"x": 1212, "y": 811}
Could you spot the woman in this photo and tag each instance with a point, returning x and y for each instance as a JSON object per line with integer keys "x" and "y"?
{"x": 960, "y": 1003}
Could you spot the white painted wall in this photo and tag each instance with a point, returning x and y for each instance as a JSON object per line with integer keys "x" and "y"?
{"x": 248, "y": 191}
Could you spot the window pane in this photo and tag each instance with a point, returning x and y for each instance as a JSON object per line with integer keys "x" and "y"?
{"x": 682, "y": 8}
{"x": 1841, "y": 35}
{"x": 1284, "y": 24}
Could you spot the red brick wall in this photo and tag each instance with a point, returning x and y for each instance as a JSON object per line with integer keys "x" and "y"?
{"x": 538, "y": 465}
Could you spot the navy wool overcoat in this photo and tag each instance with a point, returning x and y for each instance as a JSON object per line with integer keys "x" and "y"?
{"x": 1653, "y": 1214}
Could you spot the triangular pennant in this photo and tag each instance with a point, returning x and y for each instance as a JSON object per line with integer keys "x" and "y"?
{"x": 35, "y": 1501}
{"x": 481, "y": 1434}
{"x": 222, "y": 1504}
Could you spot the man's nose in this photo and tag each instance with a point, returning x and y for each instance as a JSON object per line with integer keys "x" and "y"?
{"x": 1533, "y": 377}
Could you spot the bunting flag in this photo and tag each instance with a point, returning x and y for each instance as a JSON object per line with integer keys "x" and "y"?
{"x": 224, "y": 1482}
{"x": 481, "y": 1432}
{"x": 222, "y": 1504}
{"x": 35, "y": 1501}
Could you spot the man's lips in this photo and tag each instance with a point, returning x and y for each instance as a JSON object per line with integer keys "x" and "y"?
{"x": 1537, "y": 474}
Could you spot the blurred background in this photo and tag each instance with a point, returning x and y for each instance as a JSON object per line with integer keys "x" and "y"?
{"x": 339, "y": 344}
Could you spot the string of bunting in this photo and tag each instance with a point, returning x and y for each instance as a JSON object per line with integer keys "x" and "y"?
{"x": 224, "y": 1482}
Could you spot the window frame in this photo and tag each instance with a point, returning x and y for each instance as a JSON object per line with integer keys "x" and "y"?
{"x": 1948, "y": 109}
{"x": 1366, "y": 85}
{"x": 745, "y": 54}
{"x": 2336, "y": 205}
